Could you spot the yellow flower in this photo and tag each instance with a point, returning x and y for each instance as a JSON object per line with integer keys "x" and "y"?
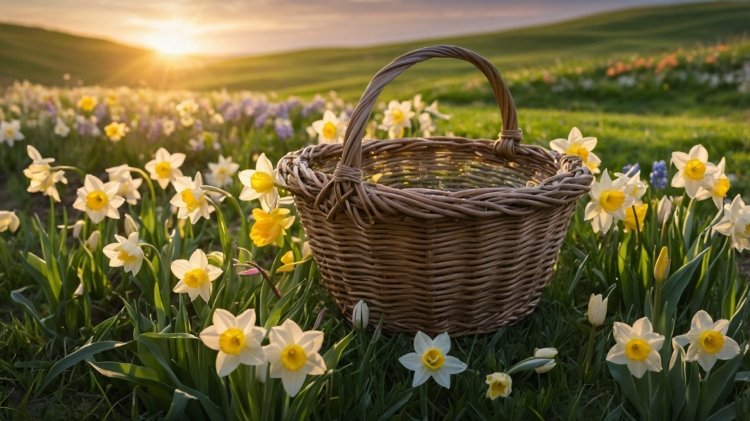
{"x": 637, "y": 347}
{"x": 430, "y": 359}
{"x": 293, "y": 355}
{"x": 708, "y": 341}
{"x": 260, "y": 184}
{"x": 270, "y": 227}
{"x": 195, "y": 275}
{"x": 499, "y": 385}
{"x": 87, "y": 103}
{"x": 236, "y": 338}
{"x": 635, "y": 218}
{"x": 115, "y": 131}
{"x": 288, "y": 262}
{"x": 661, "y": 268}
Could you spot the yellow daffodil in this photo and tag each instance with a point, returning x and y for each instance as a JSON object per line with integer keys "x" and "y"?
{"x": 694, "y": 170}
{"x": 195, "y": 275}
{"x": 99, "y": 200}
{"x": 165, "y": 167}
{"x": 635, "y": 218}
{"x": 330, "y": 129}
{"x": 125, "y": 253}
{"x": 637, "y": 347}
{"x": 221, "y": 173}
{"x": 293, "y": 355}
{"x": 128, "y": 185}
{"x": 661, "y": 268}
{"x": 736, "y": 224}
{"x": 499, "y": 385}
{"x": 579, "y": 146}
{"x": 9, "y": 221}
{"x": 608, "y": 202}
{"x": 708, "y": 341}
{"x": 430, "y": 359}
{"x": 270, "y": 227}
{"x": 236, "y": 338}
{"x": 87, "y": 104}
{"x": 115, "y": 131}
{"x": 288, "y": 263}
{"x": 191, "y": 200}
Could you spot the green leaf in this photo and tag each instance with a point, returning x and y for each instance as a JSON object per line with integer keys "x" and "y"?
{"x": 622, "y": 376}
{"x": 84, "y": 353}
{"x": 675, "y": 285}
{"x": 137, "y": 374}
{"x": 179, "y": 401}
{"x": 717, "y": 387}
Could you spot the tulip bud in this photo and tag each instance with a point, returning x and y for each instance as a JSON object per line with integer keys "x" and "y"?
{"x": 664, "y": 209}
{"x": 130, "y": 225}
{"x": 550, "y": 353}
{"x": 597, "y": 311}
{"x": 93, "y": 241}
{"x": 661, "y": 268}
{"x": 360, "y": 315}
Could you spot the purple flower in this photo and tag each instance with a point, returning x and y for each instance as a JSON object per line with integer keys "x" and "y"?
{"x": 658, "y": 175}
{"x": 284, "y": 128}
{"x": 631, "y": 169}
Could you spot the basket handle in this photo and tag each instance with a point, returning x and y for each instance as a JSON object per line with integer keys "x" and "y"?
{"x": 509, "y": 136}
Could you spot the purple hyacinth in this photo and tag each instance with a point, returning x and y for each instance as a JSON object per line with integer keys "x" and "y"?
{"x": 284, "y": 128}
{"x": 658, "y": 175}
{"x": 631, "y": 169}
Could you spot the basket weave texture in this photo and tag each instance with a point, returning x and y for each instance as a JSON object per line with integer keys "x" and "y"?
{"x": 440, "y": 234}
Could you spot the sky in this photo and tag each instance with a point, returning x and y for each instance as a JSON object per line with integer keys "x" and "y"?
{"x": 234, "y": 27}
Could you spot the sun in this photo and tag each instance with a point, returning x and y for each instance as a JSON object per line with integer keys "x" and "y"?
{"x": 173, "y": 39}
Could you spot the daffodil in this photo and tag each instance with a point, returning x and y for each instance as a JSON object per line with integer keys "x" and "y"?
{"x": 195, "y": 275}
{"x": 293, "y": 355}
{"x": 191, "y": 200}
{"x": 115, "y": 131}
{"x": 430, "y": 359}
{"x": 270, "y": 227}
{"x": 708, "y": 341}
{"x": 130, "y": 225}
{"x": 99, "y": 200}
{"x": 288, "y": 263}
{"x": 125, "y": 253}
{"x": 694, "y": 170}
{"x": 661, "y": 267}
{"x": 128, "y": 185}
{"x": 499, "y": 385}
{"x": 9, "y": 221}
{"x": 634, "y": 186}
{"x": 165, "y": 167}
{"x": 426, "y": 125}
{"x": 608, "y": 202}
{"x": 236, "y": 338}
{"x": 260, "y": 184}
{"x": 637, "y": 347}
{"x": 635, "y": 218}
{"x": 221, "y": 173}
{"x": 61, "y": 129}
{"x": 10, "y": 132}
{"x": 41, "y": 177}
{"x": 397, "y": 117}
{"x": 330, "y": 129}
{"x": 597, "y": 310}
{"x": 579, "y": 146}
{"x": 717, "y": 188}
{"x": 87, "y": 103}
{"x": 736, "y": 223}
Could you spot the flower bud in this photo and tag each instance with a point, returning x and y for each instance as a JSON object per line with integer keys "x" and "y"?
{"x": 93, "y": 241}
{"x": 130, "y": 225}
{"x": 597, "y": 311}
{"x": 661, "y": 268}
{"x": 550, "y": 353}
{"x": 664, "y": 209}
{"x": 77, "y": 227}
{"x": 360, "y": 315}
{"x": 216, "y": 258}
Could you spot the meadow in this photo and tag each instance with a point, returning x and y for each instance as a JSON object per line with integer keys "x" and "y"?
{"x": 92, "y": 332}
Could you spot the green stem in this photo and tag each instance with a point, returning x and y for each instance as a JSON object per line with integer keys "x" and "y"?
{"x": 243, "y": 220}
{"x": 589, "y": 353}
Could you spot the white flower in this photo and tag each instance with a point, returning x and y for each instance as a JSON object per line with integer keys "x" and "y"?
{"x": 41, "y": 177}
{"x": 717, "y": 186}
{"x": 637, "y": 347}
{"x": 736, "y": 223}
{"x": 330, "y": 129}
{"x": 634, "y": 186}
{"x": 99, "y": 200}
{"x": 128, "y": 185}
{"x": 431, "y": 359}
{"x": 236, "y": 338}
{"x": 694, "y": 170}
{"x": 597, "y": 310}
{"x": 61, "y": 129}
{"x": 664, "y": 209}
{"x": 9, "y": 221}
{"x": 195, "y": 275}
{"x": 190, "y": 199}
{"x": 433, "y": 109}
{"x": 130, "y": 225}
{"x": 550, "y": 353}
{"x": 608, "y": 204}
{"x": 499, "y": 385}
{"x": 293, "y": 355}
{"x": 398, "y": 116}
{"x": 222, "y": 172}
{"x": 260, "y": 184}
{"x": 426, "y": 125}
{"x": 92, "y": 243}
{"x": 708, "y": 341}
{"x": 10, "y": 132}
{"x": 125, "y": 253}
{"x": 579, "y": 146}
{"x": 165, "y": 167}
{"x": 360, "y": 315}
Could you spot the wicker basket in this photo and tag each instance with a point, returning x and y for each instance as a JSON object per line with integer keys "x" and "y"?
{"x": 456, "y": 235}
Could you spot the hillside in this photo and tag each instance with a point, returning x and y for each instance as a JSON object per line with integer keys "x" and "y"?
{"x": 43, "y": 56}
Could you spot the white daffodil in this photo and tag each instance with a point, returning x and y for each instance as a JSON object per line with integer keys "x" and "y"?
{"x": 597, "y": 310}
{"x": 736, "y": 223}
{"x": 397, "y": 117}
{"x": 125, "y": 253}
{"x": 191, "y": 200}
{"x": 41, "y": 177}
{"x": 634, "y": 186}
{"x": 260, "y": 184}
{"x": 433, "y": 109}
{"x": 694, "y": 170}
{"x": 499, "y": 385}
{"x": 221, "y": 173}
{"x": 426, "y": 125}
{"x": 579, "y": 146}
{"x": 708, "y": 341}
{"x": 330, "y": 129}
{"x": 717, "y": 186}
{"x": 165, "y": 167}
{"x": 637, "y": 347}
{"x": 293, "y": 355}
{"x": 608, "y": 202}
{"x": 430, "y": 359}
{"x": 195, "y": 275}
{"x": 9, "y": 221}
{"x": 99, "y": 200}
{"x": 236, "y": 338}
{"x": 128, "y": 185}
{"x": 61, "y": 129}
{"x": 550, "y": 353}
{"x": 10, "y": 132}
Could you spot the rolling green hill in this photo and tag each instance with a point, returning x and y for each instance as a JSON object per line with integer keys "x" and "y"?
{"x": 43, "y": 56}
